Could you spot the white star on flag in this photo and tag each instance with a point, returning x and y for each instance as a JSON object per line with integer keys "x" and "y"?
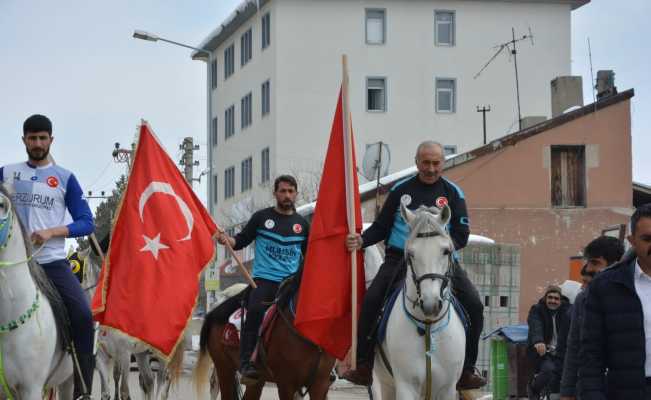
{"x": 154, "y": 245}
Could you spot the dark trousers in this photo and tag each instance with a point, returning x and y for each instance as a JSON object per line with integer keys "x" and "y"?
{"x": 548, "y": 375}
{"x": 81, "y": 319}
{"x": 394, "y": 270}
{"x": 468, "y": 296}
{"x": 258, "y": 297}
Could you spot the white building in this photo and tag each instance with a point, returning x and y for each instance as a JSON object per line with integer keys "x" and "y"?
{"x": 276, "y": 70}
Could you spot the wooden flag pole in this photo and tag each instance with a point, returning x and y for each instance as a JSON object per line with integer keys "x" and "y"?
{"x": 239, "y": 263}
{"x": 350, "y": 206}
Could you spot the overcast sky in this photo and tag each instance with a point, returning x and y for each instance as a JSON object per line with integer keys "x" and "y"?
{"x": 76, "y": 62}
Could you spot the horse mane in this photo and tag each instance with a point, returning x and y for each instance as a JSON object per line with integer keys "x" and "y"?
{"x": 427, "y": 217}
{"x": 39, "y": 277}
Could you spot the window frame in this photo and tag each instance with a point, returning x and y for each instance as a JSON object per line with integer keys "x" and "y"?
{"x": 385, "y": 97}
{"x": 266, "y": 31}
{"x": 453, "y": 28}
{"x": 265, "y": 98}
{"x": 453, "y": 102}
{"x": 265, "y": 165}
{"x": 582, "y": 194}
{"x": 246, "y": 47}
{"x": 229, "y": 122}
{"x": 229, "y": 61}
{"x": 213, "y": 74}
{"x": 367, "y": 11}
{"x": 215, "y": 188}
{"x": 246, "y": 111}
{"x": 214, "y": 132}
{"x": 229, "y": 182}
{"x": 246, "y": 181}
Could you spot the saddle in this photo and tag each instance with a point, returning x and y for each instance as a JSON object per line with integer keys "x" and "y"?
{"x": 61, "y": 317}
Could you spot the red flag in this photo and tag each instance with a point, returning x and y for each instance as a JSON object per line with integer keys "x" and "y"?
{"x": 161, "y": 241}
{"x": 324, "y": 306}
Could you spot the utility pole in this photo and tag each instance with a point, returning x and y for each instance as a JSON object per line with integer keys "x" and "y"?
{"x": 484, "y": 110}
{"x": 187, "y": 160}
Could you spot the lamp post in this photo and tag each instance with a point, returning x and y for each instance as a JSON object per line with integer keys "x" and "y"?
{"x": 143, "y": 35}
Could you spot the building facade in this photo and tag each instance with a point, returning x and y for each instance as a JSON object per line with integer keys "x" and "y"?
{"x": 275, "y": 74}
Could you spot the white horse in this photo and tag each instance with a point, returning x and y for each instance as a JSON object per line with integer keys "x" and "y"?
{"x": 31, "y": 354}
{"x": 423, "y": 366}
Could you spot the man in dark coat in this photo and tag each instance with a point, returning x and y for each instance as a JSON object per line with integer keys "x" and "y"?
{"x": 616, "y": 333}
{"x": 548, "y": 320}
{"x": 599, "y": 253}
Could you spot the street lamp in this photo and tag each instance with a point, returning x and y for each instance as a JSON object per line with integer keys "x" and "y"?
{"x": 208, "y": 57}
{"x": 143, "y": 35}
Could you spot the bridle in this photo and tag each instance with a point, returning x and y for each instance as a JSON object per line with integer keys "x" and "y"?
{"x": 444, "y": 278}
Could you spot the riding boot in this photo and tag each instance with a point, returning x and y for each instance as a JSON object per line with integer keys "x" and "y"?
{"x": 250, "y": 374}
{"x": 87, "y": 367}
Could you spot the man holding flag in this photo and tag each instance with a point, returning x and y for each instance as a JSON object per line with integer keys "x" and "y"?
{"x": 427, "y": 188}
{"x": 280, "y": 235}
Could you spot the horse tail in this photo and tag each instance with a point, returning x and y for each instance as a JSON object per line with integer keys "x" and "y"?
{"x": 200, "y": 374}
{"x": 175, "y": 366}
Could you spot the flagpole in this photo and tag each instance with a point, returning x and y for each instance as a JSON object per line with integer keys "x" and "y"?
{"x": 239, "y": 263}
{"x": 350, "y": 206}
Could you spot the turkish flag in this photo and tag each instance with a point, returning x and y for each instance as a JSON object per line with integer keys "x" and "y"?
{"x": 323, "y": 313}
{"x": 161, "y": 241}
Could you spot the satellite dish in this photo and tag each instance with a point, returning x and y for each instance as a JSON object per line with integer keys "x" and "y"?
{"x": 376, "y": 161}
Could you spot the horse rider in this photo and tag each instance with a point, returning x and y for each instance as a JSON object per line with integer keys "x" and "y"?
{"x": 549, "y": 324}
{"x": 280, "y": 235}
{"x": 428, "y": 188}
{"x": 43, "y": 194}
{"x": 599, "y": 254}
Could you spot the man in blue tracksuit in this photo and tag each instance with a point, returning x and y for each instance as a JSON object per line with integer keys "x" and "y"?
{"x": 280, "y": 236}
{"x": 44, "y": 195}
{"x": 428, "y": 188}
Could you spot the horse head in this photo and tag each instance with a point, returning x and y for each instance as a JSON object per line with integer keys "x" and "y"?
{"x": 12, "y": 245}
{"x": 428, "y": 253}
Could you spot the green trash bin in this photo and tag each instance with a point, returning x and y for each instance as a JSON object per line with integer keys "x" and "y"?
{"x": 499, "y": 369}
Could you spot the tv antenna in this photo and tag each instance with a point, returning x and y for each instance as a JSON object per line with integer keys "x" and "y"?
{"x": 376, "y": 165}
{"x": 512, "y": 48}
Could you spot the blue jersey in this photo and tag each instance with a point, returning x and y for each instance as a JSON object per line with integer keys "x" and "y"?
{"x": 280, "y": 243}
{"x": 47, "y": 197}
{"x": 413, "y": 193}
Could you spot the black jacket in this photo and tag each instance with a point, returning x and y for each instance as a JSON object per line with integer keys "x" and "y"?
{"x": 571, "y": 363}
{"x": 541, "y": 328}
{"x": 613, "y": 337}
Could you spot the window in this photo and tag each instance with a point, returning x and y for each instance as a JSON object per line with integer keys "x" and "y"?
{"x": 375, "y": 26}
{"x": 213, "y": 132}
{"x": 449, "y": 150}
{"x": 376, "y": 94}
{"x": 487, "y": 301}
{"x": 504, "y": 301}
{"x": 264, "y": 165}
{"x": 229, "y": 122}
{"x": 230, "y": 232}
{"x": 266, "y": 30}
{"x": 568, "y": 176}
{"x": 213, "y": 74}
{"x": 246, "y": 47}
{"x": 229, "y": 182}
{"x": 444, "y": 28}
{"x": 446, "y": 95}
{"x": 246, "y": 110}
{"x": 266, "y": 98}
{"x": 229, "y": 61}
{"x": 247, "y": 174}
{"x": 215, "y": 189}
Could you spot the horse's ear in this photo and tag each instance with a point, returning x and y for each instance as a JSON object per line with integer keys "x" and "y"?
{"x": 446, "y": 215}
{"x": 406, "y": 214}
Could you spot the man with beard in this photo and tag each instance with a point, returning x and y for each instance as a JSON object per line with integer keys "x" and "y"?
{"x": 43, "y": 192}
{"x": 426, "y": 188}
{"x": 280, "y": 236}
{"x": 615, "y": 354}
{"x": 548, "y": 321}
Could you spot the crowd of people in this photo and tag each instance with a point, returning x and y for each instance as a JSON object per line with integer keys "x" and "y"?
{"x": 599, "y": 347}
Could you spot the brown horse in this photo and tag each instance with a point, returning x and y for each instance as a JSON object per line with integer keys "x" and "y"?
{"x": 284, "y": 357}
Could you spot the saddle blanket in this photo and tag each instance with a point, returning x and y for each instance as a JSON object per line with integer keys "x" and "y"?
{"x": 233, "y": 329}
{"x": 388, "y": 307}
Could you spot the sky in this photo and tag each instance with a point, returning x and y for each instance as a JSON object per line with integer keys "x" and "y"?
{"x": 76, "y": 62}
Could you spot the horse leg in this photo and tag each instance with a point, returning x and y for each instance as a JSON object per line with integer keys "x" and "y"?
{"x": 319, "y": 389}
{"x": 116, "y": 379}
{"x": 125, "y": 361}
{"x": 227, "y": 382}
{"x": 102, "y": 366}
{"x": 145, "y": 374}
{"x": 214, "y": 385}
{"x": 286, "y": 392}
{"x": 254, "y": 392}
